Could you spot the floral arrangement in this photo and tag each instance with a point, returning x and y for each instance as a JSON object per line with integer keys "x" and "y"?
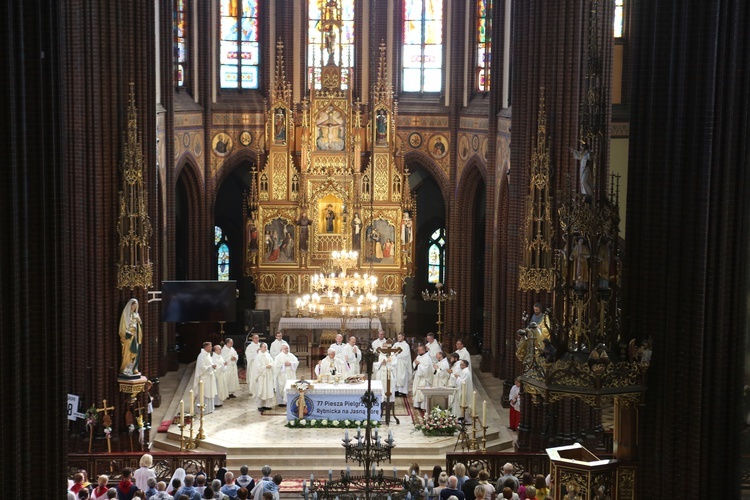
{"x": 324, "y": 423}
{"x": 438, "y": 422}
{"x": 92, "y": 416}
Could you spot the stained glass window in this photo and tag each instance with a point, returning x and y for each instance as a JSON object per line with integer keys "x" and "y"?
{"x": 619, "y": 17}
{"x": 239, "y": 50}
{"x": 317, "y": 56}
{"x": 222, "y": 254}
{"x": 436, "y": 257}
{"x": 180, "y": 42}
{"x": 484, "y": 34}
{"x": 422, "y": 62}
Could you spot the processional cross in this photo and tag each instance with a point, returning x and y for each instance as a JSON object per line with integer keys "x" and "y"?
{"x": 388, "y": 351}
{"x": 301, "y": 386}
{"x": 107, "y": 422}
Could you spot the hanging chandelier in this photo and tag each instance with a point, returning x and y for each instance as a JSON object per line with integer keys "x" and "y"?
{"x": 335, "y": 292}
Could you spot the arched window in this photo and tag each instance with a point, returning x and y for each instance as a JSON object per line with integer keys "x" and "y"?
{"x": 239, "y": 49}
{"x": 315, "y": 46}
{"x": 180, "y": 43}
{"x": 484, "y": 34}
{"x": 222, "y": 254}
{"x": 436, "y": 257}
{"x": 422, "y": 62}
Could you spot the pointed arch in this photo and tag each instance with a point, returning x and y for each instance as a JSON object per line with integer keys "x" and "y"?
{"x": 422, "y": 160}
{"x": 190, "y": 263}
{"x": 226, "y": 168}
{"x": 466, "y": 247}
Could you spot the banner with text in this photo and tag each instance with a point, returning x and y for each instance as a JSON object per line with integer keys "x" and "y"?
{"x": 332, "y": 407}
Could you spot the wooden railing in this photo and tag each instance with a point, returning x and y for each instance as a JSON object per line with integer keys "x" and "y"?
{"x": 535, "y": 463}
{"x": 165, "y": 463}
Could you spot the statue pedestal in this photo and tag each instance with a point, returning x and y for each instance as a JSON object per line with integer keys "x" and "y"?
{"x": 132, "y": 387}
{"x": 437, "y": 396}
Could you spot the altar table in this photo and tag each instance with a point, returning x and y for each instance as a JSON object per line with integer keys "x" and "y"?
{"x": 328, "y": 323}
{"x": 334, "y": 401}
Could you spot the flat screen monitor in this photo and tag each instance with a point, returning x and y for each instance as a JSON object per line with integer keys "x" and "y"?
{"x": 196, "y": 301}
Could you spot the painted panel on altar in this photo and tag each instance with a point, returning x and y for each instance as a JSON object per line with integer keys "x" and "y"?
{"x": 380, "y": 246}
{"x": 331, "y": 129}
{"x": 279, "y": 241}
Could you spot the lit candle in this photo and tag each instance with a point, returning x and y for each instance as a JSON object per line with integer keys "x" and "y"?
{"x": 182, "y": 413}
{"x": 484, "y": 413}
{"x": 474, "y": 404}
{"x": 192, "y": 401}
{"x": 201, "y": 392}
{"x": 463, "y": 395}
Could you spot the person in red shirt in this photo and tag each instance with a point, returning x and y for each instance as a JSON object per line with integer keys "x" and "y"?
{"x": 126, "y": 488}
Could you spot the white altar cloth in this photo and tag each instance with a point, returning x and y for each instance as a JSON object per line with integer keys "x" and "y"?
{"x": 328, "y": 324}
{"x": 333, "y": 401}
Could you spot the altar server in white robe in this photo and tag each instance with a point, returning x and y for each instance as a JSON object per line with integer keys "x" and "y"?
{"x": 205, "y": 372}
{"x": 463, "y": 352}
{"x": 230, "y": 356}
{"x": 339, "y": 346}
{"x": 262, "y": 379}
{"x": 332, "y": 365}
{"x": 403, "y": 368}
{"x": 352, "y": 357}
{"x": 422, "y": 377}
{"x": 464, "y": 388}
{"x": 442, "y": 371}
{"x": 384, "y": 368}
{"x": 251, "y": 352}
{"x": 380, "y": 341}
{"x": 284, "y": 369}
{"x": 221, "y": 376}
{"x": 276, "y": 344}
{"x": 433, "y": 347}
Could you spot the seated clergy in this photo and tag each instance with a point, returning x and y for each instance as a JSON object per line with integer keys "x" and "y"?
{"x": 332, "y": 365}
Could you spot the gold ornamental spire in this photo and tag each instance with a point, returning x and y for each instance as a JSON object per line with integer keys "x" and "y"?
{"x": 133, "y": 225}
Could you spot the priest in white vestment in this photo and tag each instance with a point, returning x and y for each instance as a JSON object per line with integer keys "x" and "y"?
{"x": 284, "y": 369}
{"x": 385, "y": 369}
{"x": 433, "y": 347}
{"x": 352, "y": 357}
{"x": 403, "y": 367}
{"x": 205, "y": 372}
{"x": 338, "y": 347}
{"x": 251, "y": 352}
{"x": 230, "y": 356}
{"x": 332, "y": 365}
{"x": 380, "y": 341}
{"x": 220, "y": 373}
{"x": 261, "y": 380}
{"x": 442, "y": 371}
{"x": 422, "y": 377}
{"x": 464, "y": 389}
{"x": 276, "y": 344}
{"x": 463, "y": 352}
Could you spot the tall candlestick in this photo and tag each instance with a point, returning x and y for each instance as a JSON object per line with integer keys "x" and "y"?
{"x": 192, "y": 402}
{"x": 182, "y": 413}
{"x": 484, "y": 413}
{"x": 201, "y": 392}
{"x": 474, "y": 404}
